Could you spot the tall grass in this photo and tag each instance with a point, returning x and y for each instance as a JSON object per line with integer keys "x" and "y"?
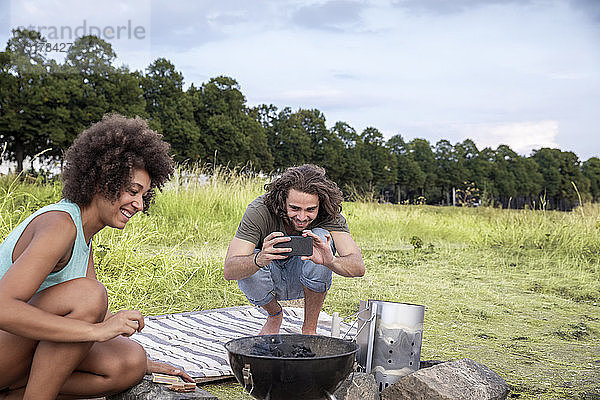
{"x": 517, "y": 290}
{"x": 175, "y": 253}
{"x": 21, "y": 196}
{"x": 199, "y": 207}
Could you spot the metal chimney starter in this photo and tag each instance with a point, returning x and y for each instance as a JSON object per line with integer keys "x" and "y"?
{"x": 390, "y": 336}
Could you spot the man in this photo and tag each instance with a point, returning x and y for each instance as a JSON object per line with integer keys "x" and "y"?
{"x": 300, "y": 202}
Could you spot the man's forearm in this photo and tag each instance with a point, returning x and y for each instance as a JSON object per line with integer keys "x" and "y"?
{"x": 240, "y": 267}
{"x": 243, "y": 266}
{"x": 351, "y": 265}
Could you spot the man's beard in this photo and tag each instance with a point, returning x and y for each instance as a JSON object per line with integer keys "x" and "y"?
{"x": 290, "y": 223}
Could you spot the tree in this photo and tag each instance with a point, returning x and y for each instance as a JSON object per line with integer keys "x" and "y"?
{"x": 288, "y": 141}
{"x": 528, "y": 181}
{"x": 571, "y": 175}
{"x": 424, "y": 157}
{"x": 477, "y": 166}
{"x": 265, "y": 114}
{"x": 327, "y": 148}
{"x": 591, "y": 170}
{"x": 383, "y": 163}
{"x": 24, "y": 116}
{"x": 89, "y": 62}
{"x": 357, "y": 169}
{"x": 258, "y": 152}
{"x": 92, "y": 87}
{"x": 450, "y": 172}
{"x": 560, "y": 170}
{"x": 548, "y": 161}
{"x": 58, "y": 93}
{"x": 229, "y": 129}
{"x": 92, "y": 57}
{"x": 410, "y": 178}
{"x": 124, "y": 93}
{"x": 85, "y": 75}
{"x": 501, "y": 174}
{"x": 267, "y": 117}
{"x": 170, "y": 112}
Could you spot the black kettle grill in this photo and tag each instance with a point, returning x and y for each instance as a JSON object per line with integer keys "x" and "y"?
{"x": 291, "y": 378}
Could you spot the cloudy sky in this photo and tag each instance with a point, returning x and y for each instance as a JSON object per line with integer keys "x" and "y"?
{"x": 524, "y": 73}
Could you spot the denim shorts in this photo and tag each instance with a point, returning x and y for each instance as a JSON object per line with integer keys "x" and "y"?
{"x": 284, "y": 279}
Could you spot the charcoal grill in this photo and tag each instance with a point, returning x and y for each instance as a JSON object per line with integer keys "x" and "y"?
{"x": 286, "y": 378}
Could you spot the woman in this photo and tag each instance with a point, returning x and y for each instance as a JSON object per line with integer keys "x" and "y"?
{"x": 57, "y": 336}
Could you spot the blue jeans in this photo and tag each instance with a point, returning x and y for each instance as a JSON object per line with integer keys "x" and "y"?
{"x": 284, "y": 279}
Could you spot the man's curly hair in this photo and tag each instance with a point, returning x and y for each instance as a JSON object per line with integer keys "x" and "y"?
{"x": 307, "y": 178}
{"x": 103, "y": 157}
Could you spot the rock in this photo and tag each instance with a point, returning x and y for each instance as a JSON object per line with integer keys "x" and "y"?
{"x": 147, "y": 390}
{"x": 429, "y": 363}
{"x": 358, "y": 386}
{"x": 462, "y": 379}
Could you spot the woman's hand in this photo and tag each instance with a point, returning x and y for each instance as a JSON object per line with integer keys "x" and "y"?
{"x": 125, "y": 322}
{"x": 163, "y": 368}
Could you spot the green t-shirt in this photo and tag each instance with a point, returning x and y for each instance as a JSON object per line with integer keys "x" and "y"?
{"x": 258, "y": 222}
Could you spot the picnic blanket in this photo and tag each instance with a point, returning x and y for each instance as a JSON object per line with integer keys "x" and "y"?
{"x": 194, "y": 341}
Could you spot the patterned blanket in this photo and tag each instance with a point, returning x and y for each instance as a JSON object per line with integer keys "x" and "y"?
{"x": 194, "y": 341}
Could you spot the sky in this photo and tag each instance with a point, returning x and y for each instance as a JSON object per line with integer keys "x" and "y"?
{"x": 524, "y": 73}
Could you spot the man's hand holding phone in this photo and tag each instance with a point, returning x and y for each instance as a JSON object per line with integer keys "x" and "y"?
{"x": 298, "y": 245}
{"x": 268, "y": 252}
{"x": 322, "y": 253}
{"x": 278, "y": 246}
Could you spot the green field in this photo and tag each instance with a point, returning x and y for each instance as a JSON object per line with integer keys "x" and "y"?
{"x": 518, "y": 291}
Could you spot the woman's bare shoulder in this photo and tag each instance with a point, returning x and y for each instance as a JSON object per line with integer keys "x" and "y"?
{"x": 56, "y": 226}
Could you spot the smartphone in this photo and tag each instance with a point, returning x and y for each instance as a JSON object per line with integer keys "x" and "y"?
{"x": 300, "y": 245}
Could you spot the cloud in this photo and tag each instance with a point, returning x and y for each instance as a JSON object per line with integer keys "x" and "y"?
{"x": 590, "y": 8}
{"x": 522, "y": 137}
{"x": 318, "y": 95}
{"x": 328, "y": 99}
{"x": 184, "y": 25}
{"x": 445, "y": 7}
{"x": 4, "y": 18}
{"x": 336, "y": 15}
{"x": 344, "y": 75}
{"x": 227, "y": 18}
{"x": 179, "y": 25}
{"x": 125, "y": 25}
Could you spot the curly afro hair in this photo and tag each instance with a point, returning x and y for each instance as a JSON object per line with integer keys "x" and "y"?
{"x": 103, "y": 157}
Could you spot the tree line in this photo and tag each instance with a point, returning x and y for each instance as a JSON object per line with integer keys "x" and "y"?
{"x": 45, "y": 104}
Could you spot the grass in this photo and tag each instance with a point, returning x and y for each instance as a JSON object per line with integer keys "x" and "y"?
{"x": 517, "y": 290}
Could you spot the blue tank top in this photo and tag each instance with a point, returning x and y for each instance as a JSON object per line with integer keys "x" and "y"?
{"x": 77, "y": 265}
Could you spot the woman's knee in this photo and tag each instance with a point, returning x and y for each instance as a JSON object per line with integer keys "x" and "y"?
{"x": 80, "y": 298}
{"x": 93, "y": 300}
{"x": 127, "y": 368}
{"x": 133, "y": 366}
